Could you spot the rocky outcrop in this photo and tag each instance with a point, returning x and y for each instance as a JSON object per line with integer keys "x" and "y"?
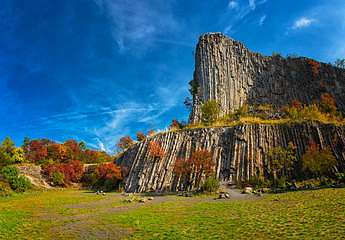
{"x": 238, "y": 152}
{"x": 226, "y": 71}
{"x": 34, "y": 174}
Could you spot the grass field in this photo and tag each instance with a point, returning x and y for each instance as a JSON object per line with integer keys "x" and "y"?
{"x": 72, "y": 214}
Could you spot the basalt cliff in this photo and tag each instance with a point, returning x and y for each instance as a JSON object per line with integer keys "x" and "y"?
{"x": 226, "y": 71}
{"x": 232, "y": 75}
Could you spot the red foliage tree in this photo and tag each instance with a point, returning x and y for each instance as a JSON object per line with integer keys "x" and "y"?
{"x": 200, "y": 163}
{"x": 156, "y": 150}
{"x": 109, "y": 171}
{"x": 182, "y": 167}
{"x": 296, "y": 104}
{"x": 175, "y": 124}
{"x": 72, "y": 171}
{"x": 36, "y": 151}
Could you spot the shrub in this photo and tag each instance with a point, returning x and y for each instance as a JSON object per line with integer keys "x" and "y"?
{"x": 241, "y": 111}
{"x": 318, "y": 162}
{"x": 20, "y": 184}
{"x": 58, "y": 179}
{"x": 5, "y": 189}
{"x": 296, "y": 104}
{"x": 10, "y": 172}
{"x": 210, "y": 185}
{"x": 340, "y": 177}
{"x": 328, "y": 103}
{"x": 258, "y": 182}
{"x": 209, "y": 111}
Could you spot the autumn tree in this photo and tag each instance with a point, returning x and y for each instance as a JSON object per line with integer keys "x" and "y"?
{"x": 198, "y": 165}
{"x": 140, "y": 136}
{"x": 109, "y": 176}
{"x": 156, "y": 150}
{"x": 318, "y": 162}
{"x": 151, "y": 133}
{"x": 210, "y": 111}
{"x": 9, "y": 153}
{"x": 328, "y": 103}
{"x": 124, "y": 143}
{"x": 175, "y": 125}
{"x": 315, "y": 67}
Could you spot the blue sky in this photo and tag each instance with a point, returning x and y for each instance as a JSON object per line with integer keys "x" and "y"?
{"x": 95, "y": 70}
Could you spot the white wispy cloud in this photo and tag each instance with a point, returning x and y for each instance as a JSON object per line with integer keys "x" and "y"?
{"x": 242, "y": 10}
{"x": 252, "y": 4}
{"x": 139, "y": 21}
{"x": 233, "y": 4}
{"x": 262, "y": 20}
{"x": 302, "y": 22}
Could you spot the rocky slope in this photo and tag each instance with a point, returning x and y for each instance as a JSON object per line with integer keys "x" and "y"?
{"x": 226, "y": 71}
{"x": 238, "y": 152}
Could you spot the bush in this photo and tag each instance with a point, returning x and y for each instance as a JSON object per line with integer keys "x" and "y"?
{"x": 5, "y": 189}
{"x": 58, "y": 179}
{"x": 259, "y": 182}
{"x": 210, "y": 111}
{"x": 10, "y": 172}
{"x": 20, "y": 184}
{"x": 340, "y": 177}
{"x": 318, "y": 162}
{"x": 210, "y": 185}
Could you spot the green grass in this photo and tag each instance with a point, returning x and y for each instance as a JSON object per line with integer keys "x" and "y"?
{"x": 71, "y": 214}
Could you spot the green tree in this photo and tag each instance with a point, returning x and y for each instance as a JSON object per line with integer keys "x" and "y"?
{"x": 280, "y": 162}
{"x": 210, "y": 111}
{"x": 6, "y": 151}
{"x": 18, "y": 155}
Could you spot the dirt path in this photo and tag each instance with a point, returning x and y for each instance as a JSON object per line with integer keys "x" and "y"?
{"x": 86, "y": 220}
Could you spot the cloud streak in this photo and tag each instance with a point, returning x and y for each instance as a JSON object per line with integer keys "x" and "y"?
{"x": 302, "y": 22}
{"x": 139, "y": 21}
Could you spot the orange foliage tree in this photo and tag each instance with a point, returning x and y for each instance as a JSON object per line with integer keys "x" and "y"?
{"x": 156, "y": 150}
{"x": 200, "y": 163}
{"x": 72, "y": 171}
{"x": 140, "y": 136}
{"x": 315, "y": 67}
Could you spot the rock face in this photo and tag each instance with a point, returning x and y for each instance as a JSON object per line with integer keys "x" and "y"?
{"x": 238, "y": 152}
{"x": 226, "y": 71}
